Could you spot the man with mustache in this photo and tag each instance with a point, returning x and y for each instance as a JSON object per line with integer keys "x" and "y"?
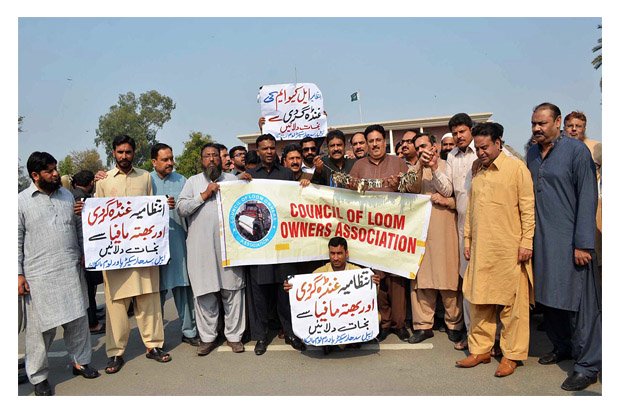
{"x": 138, "y": 286}
{"x": 565, "y": 186}
{"x": 292, "y": 160}
{"x": 379, "y": 165}
{"x": 226, "y": 162}
{"x": 335, "y": 161}
{"x": 48, "y": 273}
{"x": 266, "y": 280}
{"x": 575, "y": 127}
{"x": 211, "y": 282}
{"x": 408, "y": 148}
{"x": 359, "y": 145}
{"x": 459, "y": 163}
{"x": 438, "y": 273}
{"x": 174, "y": 275}
{"x": 498, "y": 234}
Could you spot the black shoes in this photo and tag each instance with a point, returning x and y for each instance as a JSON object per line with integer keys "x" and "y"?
{"x": 114, "y": 365}
{"x": 382, "y": 335}
{"x": 553, "y": 358}
{"x": 43, "y": 389}
{"x": 193, "y": 341}
{"x": 577, "y": 382}
{"x": 419, "y": 335}
{"x": 260, "y": 348}
{"x": 295, "y": 343}
{"x": 402, "y": 333}
{"x": 454, "y": 335}
{"x": 205, "y": 348}
{"x": 85, "y": 371}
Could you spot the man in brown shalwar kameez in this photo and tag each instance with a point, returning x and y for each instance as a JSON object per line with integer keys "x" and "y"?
{"x": 438, "y": 272}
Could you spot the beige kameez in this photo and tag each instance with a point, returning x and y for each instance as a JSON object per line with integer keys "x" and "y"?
{"x": 500, "y": 220}
{"x": 122, "y": 285}
{"x": 439, "y": 269}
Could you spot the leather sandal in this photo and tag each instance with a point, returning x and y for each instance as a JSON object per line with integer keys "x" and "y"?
{"x": 114, "y": 365}
{"x": 156, "y": 353}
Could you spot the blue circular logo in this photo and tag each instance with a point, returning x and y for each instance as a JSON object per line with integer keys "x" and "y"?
{"x": 253, "y": 220}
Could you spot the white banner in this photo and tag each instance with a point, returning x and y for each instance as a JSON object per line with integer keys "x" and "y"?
{"x": 125, "y": 232}
{"x": 293, "y": 111}
{"x": 334, "y": 307}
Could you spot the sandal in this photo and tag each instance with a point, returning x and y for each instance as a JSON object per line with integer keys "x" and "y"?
{"x": 461, "y": 345}
{"x": 158, "y": 354}
{"x": 97, "y": 330}
{"x": 114, "y": 364}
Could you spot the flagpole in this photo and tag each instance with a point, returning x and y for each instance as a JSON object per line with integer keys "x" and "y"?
{"x": 359, "y": 107}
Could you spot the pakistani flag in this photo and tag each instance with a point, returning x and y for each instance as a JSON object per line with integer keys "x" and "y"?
{"x": 354, "y": 96}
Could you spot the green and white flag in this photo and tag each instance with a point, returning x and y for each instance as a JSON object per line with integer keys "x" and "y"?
{"x": 354, "y": 97}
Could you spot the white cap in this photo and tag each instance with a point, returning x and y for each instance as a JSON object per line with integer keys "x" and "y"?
{"x": 450, "y": 135}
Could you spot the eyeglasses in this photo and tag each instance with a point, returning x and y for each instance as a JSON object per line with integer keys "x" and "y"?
{"x": 407, "y": 141}
{"x": 309, "y": 149}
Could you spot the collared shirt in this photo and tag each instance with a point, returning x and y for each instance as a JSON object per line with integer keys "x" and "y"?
{"x": 275, "y": 173}
{"x": 328, "y": 268}
{"x": 174, "y": 274}
{"x": 459, "y": 165}
{"x": 307, "y": 169}
{"x": 459, "y": 171}
{"x": 48, "y": 255}
{"x": 128, "y": 282}
{"x": 47, "y": 226}
{"x": 499, "y": 221}
{"x": 565, "y": 186}
{"x": 389, "y": 166}
{"x": 136, "y": 182}
{"x": 329, "y": 167}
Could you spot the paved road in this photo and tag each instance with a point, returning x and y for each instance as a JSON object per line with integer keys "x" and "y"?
{"x": 390, "y": 368}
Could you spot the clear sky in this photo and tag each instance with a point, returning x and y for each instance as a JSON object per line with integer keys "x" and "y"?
{"x": 71, "y": 70}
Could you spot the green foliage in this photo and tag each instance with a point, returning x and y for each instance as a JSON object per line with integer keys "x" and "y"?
{"x": 81, "y": 160}
{"x": 23, "y": 181}
{"x": 66, "y": 166}
{"x": 139, "y": 118}
{"x": 189, "y": 163}
{"x": 597, "y": 61}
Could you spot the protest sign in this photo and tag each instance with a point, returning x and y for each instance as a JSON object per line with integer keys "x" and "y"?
{"x": 334, "y": 307}
{"x": 273, "y": 221}
{"x": 125, "y": 232}
{"x": 293, "y": 111}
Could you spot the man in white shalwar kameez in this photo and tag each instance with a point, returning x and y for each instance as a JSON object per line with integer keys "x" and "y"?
{"x": 211, "y": 282}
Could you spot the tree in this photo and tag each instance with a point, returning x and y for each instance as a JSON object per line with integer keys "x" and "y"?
{"x": 23, "y": 181}
{"x": 81, "y": 160}
{"x": 66, "y": 166}
{"x": 188, "y": 163}
{"x": 596, "y": 62}
{"x": 139, "y": 118}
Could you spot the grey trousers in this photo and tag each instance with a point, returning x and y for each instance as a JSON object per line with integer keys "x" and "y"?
{"x": 37, "y": 343}
{"x": 207, "y": 315}
{"x": 183, "y": 298}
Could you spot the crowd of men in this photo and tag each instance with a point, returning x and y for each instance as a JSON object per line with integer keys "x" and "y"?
{"x": 505, "y": 236}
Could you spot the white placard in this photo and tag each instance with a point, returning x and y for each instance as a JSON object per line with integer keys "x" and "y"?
{"x": 293, "y": 111}
{"x": 125, "y": 232}
{"x": 334, "y": 307}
